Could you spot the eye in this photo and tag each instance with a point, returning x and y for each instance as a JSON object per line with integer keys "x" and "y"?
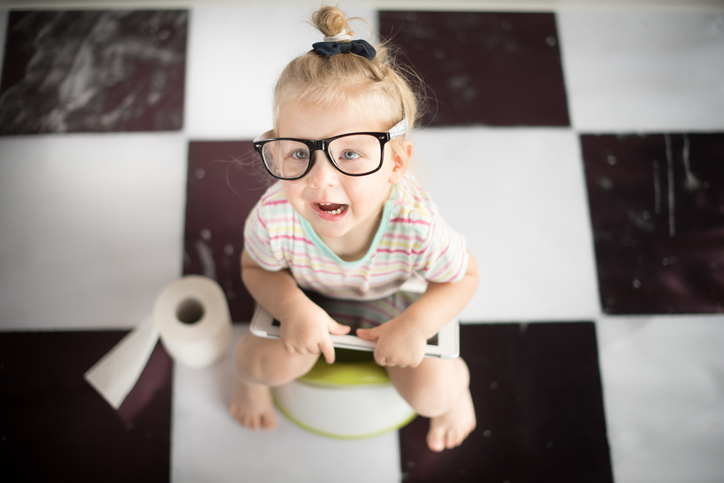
{"x": 349, "y": 155}
{"x": 300, "y": 154}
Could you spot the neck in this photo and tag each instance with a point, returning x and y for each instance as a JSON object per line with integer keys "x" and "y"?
{"x": 356, "y": 243}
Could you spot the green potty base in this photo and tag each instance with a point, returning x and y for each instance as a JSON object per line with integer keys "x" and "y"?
{"x": 324, "y": 400}
{"x": 350, "y": 368}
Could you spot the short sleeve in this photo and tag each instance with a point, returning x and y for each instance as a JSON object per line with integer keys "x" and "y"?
{"x": 257, "y": 242}
{"x": 445, "y": 256}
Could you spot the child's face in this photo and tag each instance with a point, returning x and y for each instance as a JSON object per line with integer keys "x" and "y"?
{"x": 335, "y": 204}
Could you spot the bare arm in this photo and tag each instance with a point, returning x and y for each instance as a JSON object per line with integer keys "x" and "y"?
{"x": 443, "y": 301}
{"x": 305, "y": 327}
{"x": 275, "y": 291}
{"x": 402, "y": 340}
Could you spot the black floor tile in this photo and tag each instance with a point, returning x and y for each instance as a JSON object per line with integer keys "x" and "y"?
{"x": 93, "y": 71}
{"x": 498, "y": 69}
{"x": 657, "y": 209}
{"x": 539, "y": 406}
{"x": 224, "y": 182}
{"x": 55, "y": 427}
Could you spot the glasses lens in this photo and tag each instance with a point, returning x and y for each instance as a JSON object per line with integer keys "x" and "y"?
{"x": 286, "y": 159}
{"x": 356, "y": 154}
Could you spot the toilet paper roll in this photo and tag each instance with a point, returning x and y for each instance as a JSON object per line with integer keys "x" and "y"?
{"x": 192, "y": 319}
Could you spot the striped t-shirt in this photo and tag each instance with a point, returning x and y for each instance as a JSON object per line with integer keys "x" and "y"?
{"x": 412, "y": 239}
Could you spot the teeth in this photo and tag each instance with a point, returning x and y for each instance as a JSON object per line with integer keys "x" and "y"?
{"x": 331, "y": 212}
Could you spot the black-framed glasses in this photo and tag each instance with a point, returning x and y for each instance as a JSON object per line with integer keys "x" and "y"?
{"x": 354, "y": 154}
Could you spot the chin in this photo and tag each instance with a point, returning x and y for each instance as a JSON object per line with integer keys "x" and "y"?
{"x": 331, "y": 232}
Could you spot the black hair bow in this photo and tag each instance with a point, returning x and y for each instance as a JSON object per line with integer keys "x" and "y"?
{"x": 357, "y": 47}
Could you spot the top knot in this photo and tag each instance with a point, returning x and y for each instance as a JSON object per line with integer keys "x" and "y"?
{"x": 332, "y": 22}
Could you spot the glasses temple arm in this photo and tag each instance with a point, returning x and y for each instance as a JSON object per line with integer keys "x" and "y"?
{"x": 398, "y": 129}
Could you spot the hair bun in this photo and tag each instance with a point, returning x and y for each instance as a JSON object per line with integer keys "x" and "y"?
{"x": 332, "y": 22}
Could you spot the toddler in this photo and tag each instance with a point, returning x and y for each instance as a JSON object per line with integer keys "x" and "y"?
{"x": 344, "y": 220}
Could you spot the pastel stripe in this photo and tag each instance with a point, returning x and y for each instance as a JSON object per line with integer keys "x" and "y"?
{"x": 275, "y": 237}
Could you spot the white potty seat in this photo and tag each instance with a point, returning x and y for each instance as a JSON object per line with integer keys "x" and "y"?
{"x": 352, "y": 398}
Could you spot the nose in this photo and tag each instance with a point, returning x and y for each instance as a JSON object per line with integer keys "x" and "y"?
{"x": 323, "y": 172}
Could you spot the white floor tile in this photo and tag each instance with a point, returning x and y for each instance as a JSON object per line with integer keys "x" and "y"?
{"x": 235, "y": 56}
{"x": 518, "y": 196}
{"x": 632, "y": 72}
{"x": 209, "y": 445}
{"x": 691, "y": 452}
{"x": 90, "y": 228}
{"x": 663, "y": 383}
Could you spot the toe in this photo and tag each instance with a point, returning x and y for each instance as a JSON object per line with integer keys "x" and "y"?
{"x": 451, "y": 439}
{"x": 435, "y": 440}
{"x": 234, "y": 410}
{"x": 251, "y": 422}
{"x": 269, "y": 421}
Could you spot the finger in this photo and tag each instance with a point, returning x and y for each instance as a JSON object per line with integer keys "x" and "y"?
{"x": 382, "y": 361}
{"x": 368, "y": 334}
{"x": 312, "y": 351}
{"x": 289, "y": 348}
{"x": 328, "y": 350}
{"x": 338, "y": 329}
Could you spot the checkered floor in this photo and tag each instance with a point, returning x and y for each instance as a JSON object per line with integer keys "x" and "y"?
{"x": 581, "y": 153}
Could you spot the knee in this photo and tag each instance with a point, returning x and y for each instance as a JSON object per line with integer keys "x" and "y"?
{"x": 430, "y": 404}
{"x": 428, "y": 396}
{"x": 274, "y": 373}
{"x": 432, "y": 390}
{"x": 265, "y": 361}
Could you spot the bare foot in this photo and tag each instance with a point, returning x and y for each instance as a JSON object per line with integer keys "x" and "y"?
{"x": 251, "y": 405}
{"x": 450, "y": 429}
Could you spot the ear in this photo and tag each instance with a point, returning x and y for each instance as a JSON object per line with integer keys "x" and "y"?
{"x": 401, "y": 158}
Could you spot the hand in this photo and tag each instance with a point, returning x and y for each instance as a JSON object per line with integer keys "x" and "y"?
{"x": 308, "y": 330}
{"x": 399, "y": 343}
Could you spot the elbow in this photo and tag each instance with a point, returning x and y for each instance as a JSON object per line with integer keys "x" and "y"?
{"x": 472, "y": 270}
{"x": 471, "y": 273}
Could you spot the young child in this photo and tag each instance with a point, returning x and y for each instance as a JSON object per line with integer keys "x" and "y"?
{"x": 344, "y": 220}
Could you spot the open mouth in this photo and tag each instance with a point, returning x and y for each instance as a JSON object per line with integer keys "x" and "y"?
{"x": 331, "y": 208}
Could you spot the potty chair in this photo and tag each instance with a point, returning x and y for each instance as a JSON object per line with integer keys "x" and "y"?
{"x": 352, "y": 398}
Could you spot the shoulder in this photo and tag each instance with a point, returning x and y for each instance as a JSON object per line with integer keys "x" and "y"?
{"x": 413, "y": 206}
{"x": 274, "y": 204}
{"x": 273, "y": 212}
{"x": 274, "y": 196}
{"x": 412, "y": 220}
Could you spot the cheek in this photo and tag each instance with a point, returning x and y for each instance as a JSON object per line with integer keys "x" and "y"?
{"x": 293, "y": 190}
{"x": 369, "y": 190}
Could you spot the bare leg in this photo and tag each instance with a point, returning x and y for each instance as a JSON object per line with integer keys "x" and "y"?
{"x": 261, "y": 364}
{"x": 439, "y": 389}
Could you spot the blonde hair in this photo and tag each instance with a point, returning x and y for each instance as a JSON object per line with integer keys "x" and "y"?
{"x": 349, "y": 79}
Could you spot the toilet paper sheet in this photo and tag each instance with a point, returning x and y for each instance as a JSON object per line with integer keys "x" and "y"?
{"x": 190, "y": 316}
